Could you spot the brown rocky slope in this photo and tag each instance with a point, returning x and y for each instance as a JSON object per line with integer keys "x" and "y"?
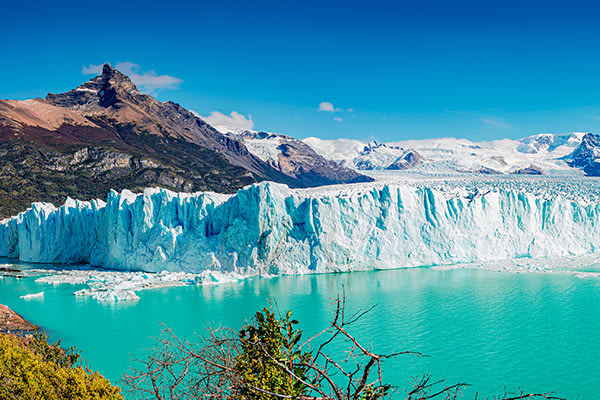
{"x": 105, "y": 134}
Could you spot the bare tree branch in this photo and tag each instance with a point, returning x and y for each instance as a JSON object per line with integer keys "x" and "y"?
{"x": 216, "y": 367}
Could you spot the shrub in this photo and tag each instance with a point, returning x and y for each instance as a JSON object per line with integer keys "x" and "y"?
{"x": 266, "y": 344}
{"x": 31, "y": 368}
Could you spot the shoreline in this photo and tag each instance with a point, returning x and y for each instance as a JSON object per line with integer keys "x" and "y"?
{"x": 12, "y": 322}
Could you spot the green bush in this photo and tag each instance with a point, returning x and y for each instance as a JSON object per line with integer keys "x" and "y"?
{"x": 267, "y": 359}
{"x": 30, "y": 368}
{"x": 267, "y": 344}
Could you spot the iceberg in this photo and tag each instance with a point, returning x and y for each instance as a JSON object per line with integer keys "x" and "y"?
{"x": 110, "y": 285}
{"x": 33, "y": 296}
{"x": 269, "y": 229}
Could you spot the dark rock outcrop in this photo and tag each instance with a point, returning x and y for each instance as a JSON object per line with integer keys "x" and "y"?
{"x": 408, "y": 160}
{"x": 486, "y": 171}
{"x": 531, "y": 170}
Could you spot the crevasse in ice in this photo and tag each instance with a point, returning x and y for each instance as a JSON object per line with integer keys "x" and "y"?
{"x": 270, "y": 229}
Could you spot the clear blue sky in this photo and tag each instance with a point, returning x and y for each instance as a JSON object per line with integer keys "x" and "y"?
{"x": 395, "y": 70}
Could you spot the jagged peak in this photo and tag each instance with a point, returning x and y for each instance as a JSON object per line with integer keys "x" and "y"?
{"x": 114, "y": 77}
{"x": 107, "y": 69}
{"x": 590, "y": 136}
{"x": 111, "y": 77}
{"x": 103, "y": 90}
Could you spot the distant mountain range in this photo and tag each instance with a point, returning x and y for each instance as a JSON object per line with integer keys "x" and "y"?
{"x": 105, "y": 135}
{"x": 548, "y": 154}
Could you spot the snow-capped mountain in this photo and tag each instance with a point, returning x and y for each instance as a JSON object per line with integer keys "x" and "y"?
{"x": 538, "y": 154}
{"x": 293, "y": 158}
{"x": 587, "y": 155}
{"x": 380, "y": 156}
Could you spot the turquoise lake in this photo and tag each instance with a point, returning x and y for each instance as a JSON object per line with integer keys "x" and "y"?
{"x": 539, "y": 332}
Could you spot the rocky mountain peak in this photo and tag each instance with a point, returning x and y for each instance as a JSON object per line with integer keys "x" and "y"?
{"x": 101, "y": 91}
{"x": 589, "y": 148}
{"x": 111, "y": 77}
{"x": 591, "y": 140}
{"x": 587, "y": 155}
{"x": 108, "y": 70}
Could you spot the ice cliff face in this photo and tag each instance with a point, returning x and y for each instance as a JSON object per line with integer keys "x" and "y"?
{"x": 270, "y": 229}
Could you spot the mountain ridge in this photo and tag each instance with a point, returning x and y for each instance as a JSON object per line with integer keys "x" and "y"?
{"x": 294, "y": 158}
{"x": 549, "y": 154}
{"x": 105, "y": 134}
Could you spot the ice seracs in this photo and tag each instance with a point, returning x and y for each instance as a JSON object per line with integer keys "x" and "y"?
{"x": 269, "y": 229}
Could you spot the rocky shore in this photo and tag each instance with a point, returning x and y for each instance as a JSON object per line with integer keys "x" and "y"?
{"x": 10, "y": 321}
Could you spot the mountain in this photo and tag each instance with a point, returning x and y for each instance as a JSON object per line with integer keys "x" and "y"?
{"x": 410, "y": 159}
{"x": 587, "y": 155}
{"x": 534, "y": 155}
{"x": 380, "y": 156}
{"x": 104, "y": 135}
{"x": 295, "y": 158}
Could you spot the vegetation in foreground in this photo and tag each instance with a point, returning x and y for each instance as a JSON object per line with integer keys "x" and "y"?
{"x": 268, "y": 359}
{"x": 33, "y": 369}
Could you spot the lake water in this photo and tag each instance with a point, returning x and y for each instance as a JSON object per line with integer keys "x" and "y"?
{"x": 540, "y": 332}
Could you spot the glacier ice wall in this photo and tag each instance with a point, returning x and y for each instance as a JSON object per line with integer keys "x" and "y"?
{"x": 270, "y": 229}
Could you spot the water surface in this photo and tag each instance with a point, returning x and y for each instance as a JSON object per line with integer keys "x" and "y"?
{"x": 493, "y": 330}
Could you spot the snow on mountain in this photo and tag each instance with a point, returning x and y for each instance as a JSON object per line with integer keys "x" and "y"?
{"x": 269, "y": 229}
{"x": 381, "y": 156}
{"x": 548, "y": 142}
{"x": 587, "y": 155}
{"x": 264, "y": 145}
{"x": 339, "y": 150}
{"x": 548, "y": 153}
{"x": 294, "y": 158}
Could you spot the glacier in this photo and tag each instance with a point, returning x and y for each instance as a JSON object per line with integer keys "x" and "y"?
{"x": 268, "y": 229}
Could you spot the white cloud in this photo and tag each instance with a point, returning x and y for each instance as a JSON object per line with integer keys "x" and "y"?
{"x": 146, "y": 81}
{"x": 226, "y": 123}
{"x": 495, "y": 123}
{"x": 92, "y": 69}
{"x": 328, "y": 107}
{"x": 338, "y": 119}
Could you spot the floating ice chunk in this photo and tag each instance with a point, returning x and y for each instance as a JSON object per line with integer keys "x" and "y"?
{"x": 33, "y": 296}
{"x": 59, "y": 278}
{"x": 108, "y": 285}
{"x": 109, "y": 295}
